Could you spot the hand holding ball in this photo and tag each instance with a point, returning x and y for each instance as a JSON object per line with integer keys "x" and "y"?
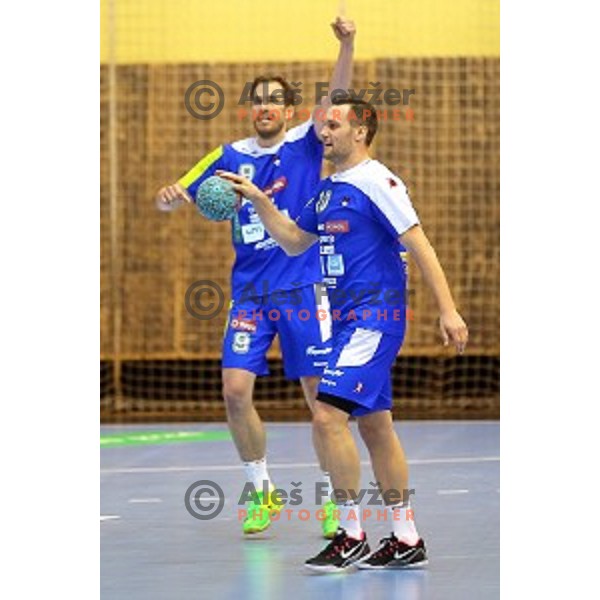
{"x": 216, "y": 199}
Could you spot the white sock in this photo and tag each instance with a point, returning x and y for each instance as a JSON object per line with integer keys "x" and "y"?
{"x": 403, "y": 522}
{"x": 256, "y": 473}
{"x": 350, "y": 519}
{"x": 327, "y": 482}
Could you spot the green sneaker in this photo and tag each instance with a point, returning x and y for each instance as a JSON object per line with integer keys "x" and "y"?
{"x": 331, "y": 521}
{"x": 259, "y": 515}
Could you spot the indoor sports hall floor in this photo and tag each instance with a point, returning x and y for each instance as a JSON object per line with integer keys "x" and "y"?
{"x": 152, "y": 548}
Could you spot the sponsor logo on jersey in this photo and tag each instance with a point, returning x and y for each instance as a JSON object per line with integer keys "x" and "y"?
{"x": 243, "y": 325}
{"x": 266, "y": 245}
{"x": 337, "y": 227}
{"x": 277, "y": 186}
{"x": 252, "y": 233}
{"x": 314, "y": 351}
{"x": 333, "y": 372}
{"x": 327, "y": 239}
{"x": 335, "y": 265}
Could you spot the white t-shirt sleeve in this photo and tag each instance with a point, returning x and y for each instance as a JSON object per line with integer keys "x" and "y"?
{"x": 392, "y": 206}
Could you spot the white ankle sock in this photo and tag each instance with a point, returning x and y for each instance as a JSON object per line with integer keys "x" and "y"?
{"x": 256, "y": 473}
{"x": 350, "y": 519}
{"x": 403, "y": 523}
{"x": 327, "y": 481}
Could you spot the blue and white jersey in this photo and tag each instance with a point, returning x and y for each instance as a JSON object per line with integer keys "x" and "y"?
{"x": 359, "y": 215}
{"x": 288, "y": 173}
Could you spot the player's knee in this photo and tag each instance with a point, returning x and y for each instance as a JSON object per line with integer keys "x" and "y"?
{"x": 372, "y": 431}
{"x": 326, "y": 424}
{"x": 321, "y": 423}
{"x": 237, "y": 397}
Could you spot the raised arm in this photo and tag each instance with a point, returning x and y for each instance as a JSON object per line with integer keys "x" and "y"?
{"x": 341, "y": 78}
{"x": 452, "y": 326}
{"x": 283, "y": 230}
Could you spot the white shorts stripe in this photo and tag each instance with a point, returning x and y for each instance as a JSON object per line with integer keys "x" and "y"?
{"x": 360, "y": 349}
{"x": 322, "y": 301}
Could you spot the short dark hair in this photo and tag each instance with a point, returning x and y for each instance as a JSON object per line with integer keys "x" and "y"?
{"x": 363, "y": 113}
{"x": 288, "y": 93}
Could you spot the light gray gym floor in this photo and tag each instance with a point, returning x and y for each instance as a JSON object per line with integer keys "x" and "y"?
{"x": 152, "y": 548}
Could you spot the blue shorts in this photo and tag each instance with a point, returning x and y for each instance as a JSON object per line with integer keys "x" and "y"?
{"x": 302, "y": 320}
{"x": 359, "y": 370}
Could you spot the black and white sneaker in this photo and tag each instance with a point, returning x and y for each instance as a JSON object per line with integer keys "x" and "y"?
{"x": 394, "y": 554}
{"x": 342, "y": 552}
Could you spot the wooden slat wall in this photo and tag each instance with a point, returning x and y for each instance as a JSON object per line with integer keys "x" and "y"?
{"x": 449, "y": 157}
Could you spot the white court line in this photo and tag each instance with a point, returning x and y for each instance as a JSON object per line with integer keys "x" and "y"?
{"x": 450, "y": 461}
{"x": 109, "y": 517}
{"x": 210, "y": 498}
{"x": 144, "y": 500}
{"x": 463, "y": 556}
{"x": 451, "y": 492}
{"x": 202, "y": 468}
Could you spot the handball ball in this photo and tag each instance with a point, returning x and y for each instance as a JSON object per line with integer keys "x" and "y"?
{"x": 216, "y": 199}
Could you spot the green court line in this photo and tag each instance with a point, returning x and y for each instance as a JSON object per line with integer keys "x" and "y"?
{"x": 146, "y": 438}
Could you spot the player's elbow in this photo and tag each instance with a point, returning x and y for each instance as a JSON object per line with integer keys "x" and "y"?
{"x": 299, "y": 245}
{"x": 293, "y": 249}
{"x": 291, "y": 246}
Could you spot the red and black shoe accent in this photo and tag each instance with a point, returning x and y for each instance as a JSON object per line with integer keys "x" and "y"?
{"x": 342, "y": 552}
{"x": 395, "y": 554}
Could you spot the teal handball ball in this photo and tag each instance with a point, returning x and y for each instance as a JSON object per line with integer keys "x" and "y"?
{"x": 216, "y": 199}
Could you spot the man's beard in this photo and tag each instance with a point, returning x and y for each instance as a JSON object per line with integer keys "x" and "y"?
{"x": 267, "y": 135}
